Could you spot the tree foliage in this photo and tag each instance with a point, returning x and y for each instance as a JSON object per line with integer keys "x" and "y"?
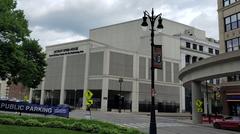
{"x": 21, "y": 58}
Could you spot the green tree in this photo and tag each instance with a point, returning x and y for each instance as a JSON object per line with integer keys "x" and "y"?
{"x": 21, "y": 58}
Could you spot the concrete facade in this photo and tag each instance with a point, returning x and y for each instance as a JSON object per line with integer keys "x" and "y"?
{"x": 121, "y": 51}
{"x": 229, "y": 29}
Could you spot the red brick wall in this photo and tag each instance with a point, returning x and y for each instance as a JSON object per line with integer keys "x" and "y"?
{"x": 17, "y": 91}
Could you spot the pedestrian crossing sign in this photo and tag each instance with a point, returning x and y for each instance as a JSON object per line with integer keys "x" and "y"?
{"x": 88, "y": 94}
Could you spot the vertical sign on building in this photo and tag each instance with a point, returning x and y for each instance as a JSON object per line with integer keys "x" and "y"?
{"x": 157, "y": 56}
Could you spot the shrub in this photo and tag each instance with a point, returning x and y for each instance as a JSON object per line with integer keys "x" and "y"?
{"x": 7, "y": 121}
{"x": 78, "y": 126}
{"x": 54, "y": 124}
{"x": 33, "y": 123}
{"x": 20, "y": 122}
{"x": 109, "y": 131}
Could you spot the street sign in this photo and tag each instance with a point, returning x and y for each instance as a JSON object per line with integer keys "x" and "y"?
{"x": 89, "y": 101}
{"x": 88, "y": 94}
{"x": 199, "y": 104}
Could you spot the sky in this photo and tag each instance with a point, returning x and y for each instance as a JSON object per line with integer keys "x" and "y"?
{"x": 59, "y": 21}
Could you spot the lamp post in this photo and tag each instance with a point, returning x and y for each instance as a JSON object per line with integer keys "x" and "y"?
{"x": 152, "y": 20}
{"x": 120, "y": 97}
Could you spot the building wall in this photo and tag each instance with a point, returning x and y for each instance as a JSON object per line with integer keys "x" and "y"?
{"x": 225, "y": 35}
{"x": 119, "y": 51}
{"x": 223, "y": 12}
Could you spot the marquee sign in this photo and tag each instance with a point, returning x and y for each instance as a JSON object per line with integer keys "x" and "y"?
{"x": 66, "y": 51}
{"x": 33, "y": 108}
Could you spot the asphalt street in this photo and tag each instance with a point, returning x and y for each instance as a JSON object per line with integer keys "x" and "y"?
{"x": 165, "y": 125}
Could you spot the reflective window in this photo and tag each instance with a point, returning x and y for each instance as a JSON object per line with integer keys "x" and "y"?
{"x": 228, "y": 2}
{"x": 232, "y": 22}
{"x": 232, "y": 45}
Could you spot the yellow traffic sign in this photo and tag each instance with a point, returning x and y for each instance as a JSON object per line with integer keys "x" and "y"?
{"x": 199, "y": 103}
{"x": 88, "y": 94}
{"x": 89, "y": 102}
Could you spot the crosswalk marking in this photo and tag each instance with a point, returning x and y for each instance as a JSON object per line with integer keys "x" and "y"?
{"x": 146, "y": 125}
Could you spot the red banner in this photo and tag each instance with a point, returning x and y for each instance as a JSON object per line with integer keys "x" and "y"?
{"x": 157, "y": 56}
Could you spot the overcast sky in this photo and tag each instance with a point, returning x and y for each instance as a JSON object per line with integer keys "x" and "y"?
{"x": 57, "y": 21}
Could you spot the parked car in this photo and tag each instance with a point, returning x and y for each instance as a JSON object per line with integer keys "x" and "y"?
{"x": 212, "y": 117}
{"x": 230, "y": 122}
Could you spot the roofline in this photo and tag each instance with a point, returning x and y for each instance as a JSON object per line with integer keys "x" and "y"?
{"x": 61, "y": 44}
{"x": 140, "y": 19}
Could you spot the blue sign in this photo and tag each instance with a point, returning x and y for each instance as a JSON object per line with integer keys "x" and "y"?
{"x": 233, "y": 97}
{"x": 33, "y": 108}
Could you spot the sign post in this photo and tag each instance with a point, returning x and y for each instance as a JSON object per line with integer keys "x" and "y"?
{"x": 89, "y": 102}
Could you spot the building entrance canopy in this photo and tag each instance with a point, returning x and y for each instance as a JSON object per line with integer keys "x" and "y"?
{"x": 223, "y": 65}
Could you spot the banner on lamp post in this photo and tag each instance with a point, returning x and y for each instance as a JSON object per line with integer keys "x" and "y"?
{"x": 157, "y": 56}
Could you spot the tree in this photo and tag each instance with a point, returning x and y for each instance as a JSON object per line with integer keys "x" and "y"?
{"x": 21, "y": 58}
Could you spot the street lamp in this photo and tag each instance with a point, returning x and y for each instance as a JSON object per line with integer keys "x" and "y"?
{"x": 152, "y": 20}
{"x": 120, "y": 97}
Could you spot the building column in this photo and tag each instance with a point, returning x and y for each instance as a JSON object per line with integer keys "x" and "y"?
{"x": 182, "y": 100}
{"x": 30, "y": 95}
{"x": 86, "y": 77}
{"x": 135, "y": 90}
{"x": 104, "y": 101}
{"x": 183, "y": 60}
{"x": 196, "y": 95}
{"x": 42, "y": 92}
{"x": 105, "y": 84}
{"x": 164, "y": 71}
{"x": 210, "y": 103}
{"x": 62, "y": 92}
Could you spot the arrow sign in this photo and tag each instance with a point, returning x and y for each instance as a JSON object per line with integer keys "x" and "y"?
{"x": 89, "y": 102}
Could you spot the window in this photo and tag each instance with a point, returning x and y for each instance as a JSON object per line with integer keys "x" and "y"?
{"x": 195, "y": 46}
{"x": 228, "y": 2}
{"x": 194, "y": 59}
{"x": 187, "y": 59}
{"x": 227, "y": 24}
{"x": 232, "y": 22}
{"x": 200, "y": 48}
{"x": 235, "y": 44}
{"x": 210, "y": 50}
{"x": 232, "y": 1}
{"x": 201, "y": 58}
{"x": 229, "y": 46}
{"x": 216, "y": 52}
{"x": 188, "y": 45}
{"x": 232, "y": 45}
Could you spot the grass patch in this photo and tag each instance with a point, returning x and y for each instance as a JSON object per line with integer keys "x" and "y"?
{"x": 6, "y": 129}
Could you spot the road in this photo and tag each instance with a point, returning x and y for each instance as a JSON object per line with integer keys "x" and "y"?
{"x": 165, "y": 125}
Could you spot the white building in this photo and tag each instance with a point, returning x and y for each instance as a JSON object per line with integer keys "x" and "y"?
{"x": 122, "y": 51}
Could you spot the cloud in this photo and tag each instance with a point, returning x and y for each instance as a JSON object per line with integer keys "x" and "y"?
{"x": 51, "y": 37}
{"x": 74, "y": 18}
